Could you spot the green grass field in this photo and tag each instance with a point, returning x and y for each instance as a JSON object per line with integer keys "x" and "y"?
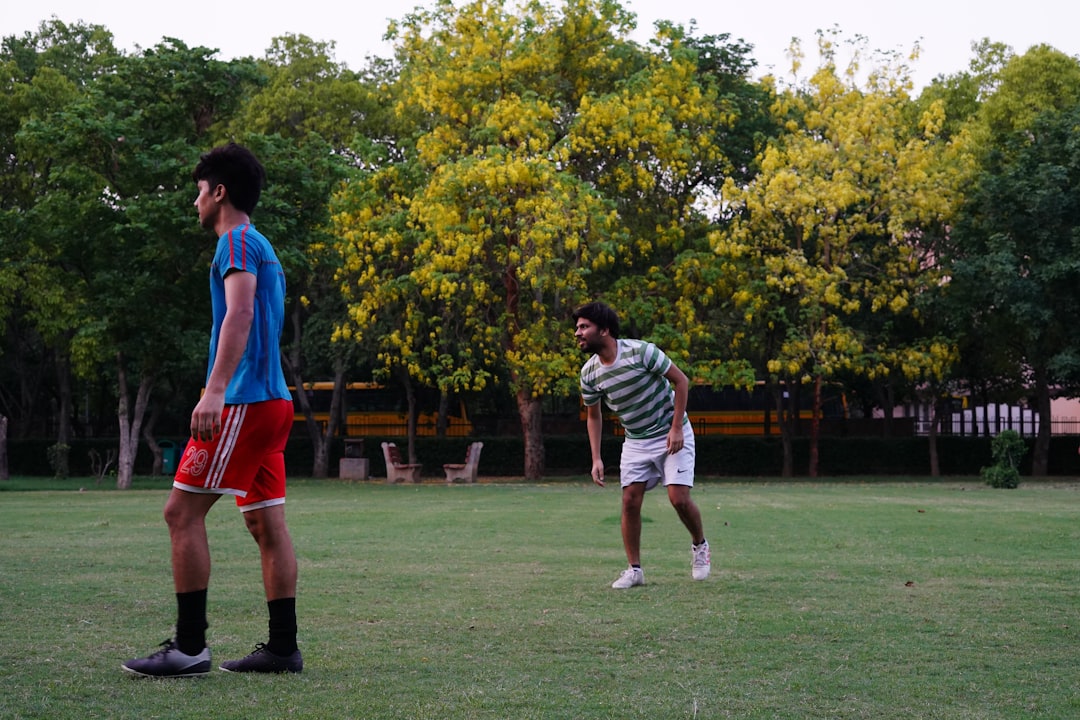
{"x": 846, "y": 600}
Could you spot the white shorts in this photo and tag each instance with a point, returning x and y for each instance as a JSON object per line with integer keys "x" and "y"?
{"x": 647, "y": 461}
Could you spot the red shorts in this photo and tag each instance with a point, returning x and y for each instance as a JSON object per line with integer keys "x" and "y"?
{"x": 246, "y": 459}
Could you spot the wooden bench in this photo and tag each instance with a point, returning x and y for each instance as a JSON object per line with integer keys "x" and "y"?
{"x": 396, "y": 470}
{"x": 466, "y": 471}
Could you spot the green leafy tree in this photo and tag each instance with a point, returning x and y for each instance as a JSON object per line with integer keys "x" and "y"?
{"x": 963, "y": 93}
{"x": 116, "y": 216}
{"x": 304, "y": 120}
{"x": 42, "y": 73}
{"x": 1014, "y": 256}
{"x": 307, "y": 93}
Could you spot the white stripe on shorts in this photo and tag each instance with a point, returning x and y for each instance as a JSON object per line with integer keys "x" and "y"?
{"x": 230, "y": 432}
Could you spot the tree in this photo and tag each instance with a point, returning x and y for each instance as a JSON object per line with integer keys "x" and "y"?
{"x": 964, "y": 92}
{"x": 824, "y": 252}
{"x": 305, "y": 120}
{"x": 306, "y": 94}
{"x": 481, "y": 245}
{"x": 1014, "y": 255}
{"x": 294, "y": 212}
{"x": 554, "y": 160}
{"x": 115, "y": 167}
{"x": 40, "y": 297}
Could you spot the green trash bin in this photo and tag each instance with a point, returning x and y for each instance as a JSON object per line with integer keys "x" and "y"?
{"x": 170, "y": 455}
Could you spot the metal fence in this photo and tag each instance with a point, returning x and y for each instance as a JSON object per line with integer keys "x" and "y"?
{"x": 991, "y": 420}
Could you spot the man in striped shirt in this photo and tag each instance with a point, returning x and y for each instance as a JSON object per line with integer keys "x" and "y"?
{"x": 647, "y": 392}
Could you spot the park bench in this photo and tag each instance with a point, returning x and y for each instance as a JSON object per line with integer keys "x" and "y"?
{"x": 466, "y": 471}
{"x": 396, "y": 469}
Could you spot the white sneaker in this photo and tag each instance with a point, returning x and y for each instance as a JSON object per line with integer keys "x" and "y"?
{"x": 701, "y": 561}
{"x": 630, "y": 577}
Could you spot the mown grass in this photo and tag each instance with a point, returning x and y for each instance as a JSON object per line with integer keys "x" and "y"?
{"x": 845, "y": 600}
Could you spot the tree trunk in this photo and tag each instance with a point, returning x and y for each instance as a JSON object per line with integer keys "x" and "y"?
{"x": 1040, "y": 458}
{"x": 932, "y": 436}
{"x": 782, "y": 419}
{"x": 63, "y": 419}
{"x": 530, "y": 410}
{"x": 316, "y": 432}
{"x": 320, "y": 435}
{"x": 442, "y": 420}
{"x": 321, "y": 465}
{"x": 292, "y": 363}
{"x": 815, "y": 428}
{"x": 985, "y": 401}
{"x": 130, "y": 419}
{"x": 888, "y": 407}
{"x": 151, "y": 441}
{"x": 410, "y": 403}
{"x": 3, "y": 448}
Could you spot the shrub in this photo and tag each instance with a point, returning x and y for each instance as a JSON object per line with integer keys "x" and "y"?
{"x": 58, "y": 455}
{"x": 1008, "y": 448}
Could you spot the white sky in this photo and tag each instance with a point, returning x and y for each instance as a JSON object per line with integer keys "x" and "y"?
{"x": 944, "y": 29}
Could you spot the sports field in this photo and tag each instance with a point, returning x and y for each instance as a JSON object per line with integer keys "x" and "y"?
{"x": 827, "y": 600}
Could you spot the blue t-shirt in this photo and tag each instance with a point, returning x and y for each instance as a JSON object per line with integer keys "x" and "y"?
{"x": 258, "y": 377}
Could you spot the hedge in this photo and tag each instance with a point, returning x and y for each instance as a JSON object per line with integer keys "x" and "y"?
{"x": 568, "y": 456}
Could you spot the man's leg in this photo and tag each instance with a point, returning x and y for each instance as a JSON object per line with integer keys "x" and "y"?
{"x": 264, "y": 515}
{"x": 632, "y": 499}
{"x": 688, "y": 511}
{"x": 185, "y": 514}
{"x": 267, "y": 526}
{"x": 633, "y": 495}
{"x": 186, "y": 655}
{"x": 280, "y": 654}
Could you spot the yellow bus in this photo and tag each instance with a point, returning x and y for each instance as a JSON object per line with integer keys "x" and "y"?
{"x": 370, "y": 408}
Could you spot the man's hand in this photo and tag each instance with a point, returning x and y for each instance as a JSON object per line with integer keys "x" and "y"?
{"x": 598, "y": 472}
{"x": 675, "y": 439}
{"x": 206, "y": 417}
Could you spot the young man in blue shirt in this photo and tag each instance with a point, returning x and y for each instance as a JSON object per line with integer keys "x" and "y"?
{"x": 238, "y": 430}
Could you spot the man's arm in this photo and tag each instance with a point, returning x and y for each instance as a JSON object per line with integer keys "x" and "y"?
{"x": 232, "y": 341}
{"x": 681, "y": 384}
{"x": 594, "y": 422}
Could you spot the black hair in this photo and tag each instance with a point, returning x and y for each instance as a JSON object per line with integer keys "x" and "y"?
{"x": 237, "y": 168}
{"x": 599, "y": 315}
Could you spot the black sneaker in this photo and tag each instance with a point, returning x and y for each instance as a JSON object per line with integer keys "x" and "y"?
{"x": 169, "y": 662}
{"x": 264, "y": 661}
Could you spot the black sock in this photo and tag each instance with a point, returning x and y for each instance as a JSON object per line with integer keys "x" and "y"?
{"x": 697, "y": 545}
{"x": 282, "y": 626}
{"x": 636, "y": 567}
{"x": 191, "y": 622}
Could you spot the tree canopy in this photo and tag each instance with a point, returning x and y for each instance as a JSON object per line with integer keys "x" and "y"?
{"x": 441, "y": 212}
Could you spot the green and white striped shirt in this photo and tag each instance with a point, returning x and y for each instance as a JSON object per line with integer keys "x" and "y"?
{"x": 633, "y": 387}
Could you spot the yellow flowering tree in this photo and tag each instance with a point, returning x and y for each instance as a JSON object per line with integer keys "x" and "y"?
{"x": 543, "y": 159}
{"x": 830, "y": 249}
{"x": 463, "y": 260}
